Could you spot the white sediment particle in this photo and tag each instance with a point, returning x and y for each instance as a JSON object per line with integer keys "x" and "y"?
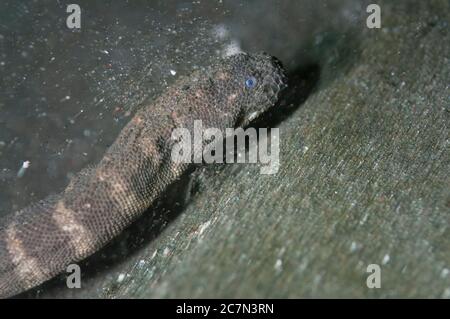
{"x": 166, "y": 251}
{"x": 386, "y": 259}
{"x": 203, "y": 227}
{"x": 353, "y": 246}
{"x": 66, "y": 98}
{"x": 252, "y": 116}
{"x": 120, "y": 278}
{"x": 364, "y": 219}
{"x": 22, "y": 170}
{"x": 104, "y": 51}
{"x": 232, "y": 48}
{"x": 278, "y": 265}
{"x": 154, "y": 254}
{"x": 173, "y": 72}
{"x": 317, "y": 279}
{"x": 220, "y": 32}
{"x": 141, "y": 263}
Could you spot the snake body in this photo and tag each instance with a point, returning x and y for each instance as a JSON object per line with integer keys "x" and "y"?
{"x": 41, "y": 240}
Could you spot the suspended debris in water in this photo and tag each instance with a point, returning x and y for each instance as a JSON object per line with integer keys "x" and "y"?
{"x": 22, "y": 170}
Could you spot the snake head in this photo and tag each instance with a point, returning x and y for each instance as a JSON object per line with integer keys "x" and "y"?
{"x": 252, "y": 81}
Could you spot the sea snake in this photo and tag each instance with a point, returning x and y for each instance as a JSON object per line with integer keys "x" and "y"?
{"x": 41, "y": 240}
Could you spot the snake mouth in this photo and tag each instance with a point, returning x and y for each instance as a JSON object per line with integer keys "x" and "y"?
{"x": 275, "y": 80}
{"x": 280, "y": 78}
{"x": 277, "y": 63}
{"x": 274, "y": 83}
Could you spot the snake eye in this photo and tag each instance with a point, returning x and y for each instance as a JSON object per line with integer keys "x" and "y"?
{"x": 250, "y": 82}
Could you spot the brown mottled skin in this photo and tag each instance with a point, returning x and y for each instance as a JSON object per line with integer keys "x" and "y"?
{"x": 40, "y": 241}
